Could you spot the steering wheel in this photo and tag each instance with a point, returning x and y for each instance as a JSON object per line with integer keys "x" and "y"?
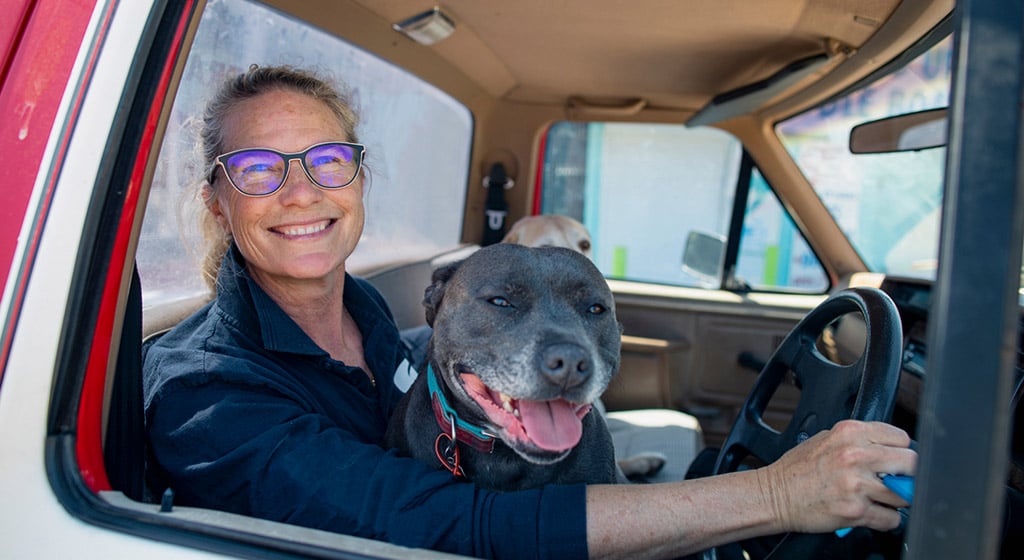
{"x": 830, "y": 392}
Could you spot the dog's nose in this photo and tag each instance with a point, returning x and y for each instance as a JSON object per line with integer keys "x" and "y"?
{"x": 565, "y": 365}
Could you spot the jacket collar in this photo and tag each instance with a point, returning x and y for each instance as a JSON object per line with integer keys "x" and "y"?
{"x": 241, "y": 297}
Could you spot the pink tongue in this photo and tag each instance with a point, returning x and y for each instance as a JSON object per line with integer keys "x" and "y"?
{"x": 551, "y": 425}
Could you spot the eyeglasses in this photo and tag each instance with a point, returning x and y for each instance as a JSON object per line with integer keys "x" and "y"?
{"x": 262, "y": 171}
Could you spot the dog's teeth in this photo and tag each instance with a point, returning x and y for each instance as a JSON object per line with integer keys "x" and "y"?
{"x": 506, "y": 402}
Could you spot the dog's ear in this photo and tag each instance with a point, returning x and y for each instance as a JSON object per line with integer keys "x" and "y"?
{"x": 511, "y": 237}
{"x": 434, "y": 293}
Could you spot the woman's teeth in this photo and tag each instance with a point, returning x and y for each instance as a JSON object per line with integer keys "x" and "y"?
{"x": 304, "y": 230}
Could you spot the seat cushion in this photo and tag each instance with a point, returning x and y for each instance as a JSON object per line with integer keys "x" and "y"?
{"x": 674, "y": 434}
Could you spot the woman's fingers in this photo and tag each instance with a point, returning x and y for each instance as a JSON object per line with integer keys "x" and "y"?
{"x": 880, "y": 518}
{"x": 833, "y": 479}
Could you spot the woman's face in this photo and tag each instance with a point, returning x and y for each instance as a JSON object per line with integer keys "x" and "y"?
{"x": 300, "y": 232}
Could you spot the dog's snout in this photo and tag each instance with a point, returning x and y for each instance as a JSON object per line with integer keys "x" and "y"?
{"x": 565, "y": 365}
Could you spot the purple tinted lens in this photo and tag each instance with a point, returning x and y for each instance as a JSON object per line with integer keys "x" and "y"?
{"x": 332, "y": 165}
{"x": 256, "y": 172}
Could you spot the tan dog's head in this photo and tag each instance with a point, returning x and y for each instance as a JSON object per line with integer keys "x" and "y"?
{"x": 550, "y": 230}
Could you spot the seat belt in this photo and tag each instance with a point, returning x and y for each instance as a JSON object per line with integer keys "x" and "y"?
{"x": 124, "y": 448}
{"x": 496, "y": 208}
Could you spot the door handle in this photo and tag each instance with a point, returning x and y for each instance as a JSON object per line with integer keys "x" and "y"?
{"x": 750, "y": 361}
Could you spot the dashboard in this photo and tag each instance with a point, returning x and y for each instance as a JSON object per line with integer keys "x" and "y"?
{"x": 913, "y": 299}
{"x": 849, "y": 335}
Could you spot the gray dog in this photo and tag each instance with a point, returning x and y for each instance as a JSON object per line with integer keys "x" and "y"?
{"x": 524, "y": 341}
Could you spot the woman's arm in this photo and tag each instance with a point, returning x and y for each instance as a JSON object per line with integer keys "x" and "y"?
{"x": 251, "y": 451}
{"x": 829, "y": 481}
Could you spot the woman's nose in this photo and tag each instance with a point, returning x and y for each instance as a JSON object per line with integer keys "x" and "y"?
{"x": 298, "y": 189}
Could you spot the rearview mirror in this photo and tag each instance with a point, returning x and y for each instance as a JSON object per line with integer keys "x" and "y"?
{"x": 902, "y": 133}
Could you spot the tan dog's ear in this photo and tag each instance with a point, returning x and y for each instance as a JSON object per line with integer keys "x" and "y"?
{"x": 512, "y": 236}
{"x": 434, "y": 293}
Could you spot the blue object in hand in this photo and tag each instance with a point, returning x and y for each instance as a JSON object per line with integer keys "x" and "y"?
{"x": 902, "y": 485}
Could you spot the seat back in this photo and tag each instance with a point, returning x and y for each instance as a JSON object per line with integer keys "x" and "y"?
{"x": 402, "y": 285}
{"x": 124, "y": 447}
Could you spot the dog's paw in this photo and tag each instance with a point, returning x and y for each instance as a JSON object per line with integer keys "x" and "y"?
{"x": 642, "y": 465}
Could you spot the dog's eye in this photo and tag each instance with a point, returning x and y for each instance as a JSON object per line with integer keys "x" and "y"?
{"x": 596, "y": 309}
{"x": 499, "y": 301}
{"x": 584, "y": 245}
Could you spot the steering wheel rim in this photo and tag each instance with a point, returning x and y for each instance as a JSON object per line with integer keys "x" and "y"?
{"x": 830, "y": 392}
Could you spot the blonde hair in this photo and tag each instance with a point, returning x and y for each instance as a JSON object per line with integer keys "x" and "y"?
{"x": 254, "y": 82}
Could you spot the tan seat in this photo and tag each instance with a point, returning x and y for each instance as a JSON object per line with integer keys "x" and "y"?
{"x": 674, "y": 434}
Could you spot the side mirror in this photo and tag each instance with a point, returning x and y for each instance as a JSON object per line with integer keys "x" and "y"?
{"x": 702, "y": 257}
{"x": 902, "y": 133}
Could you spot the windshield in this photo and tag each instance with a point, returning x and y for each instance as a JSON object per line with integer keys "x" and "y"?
{"x": 888, "y": 205}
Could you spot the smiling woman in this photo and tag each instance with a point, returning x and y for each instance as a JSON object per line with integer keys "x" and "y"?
{"x": 314, "y": 350}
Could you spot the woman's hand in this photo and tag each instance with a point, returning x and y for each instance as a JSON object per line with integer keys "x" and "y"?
{"x": 832, "y": 480}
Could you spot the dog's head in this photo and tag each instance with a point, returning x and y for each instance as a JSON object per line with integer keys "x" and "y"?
{"x": 525, "y": 339}
{"x": 550, "y": 230}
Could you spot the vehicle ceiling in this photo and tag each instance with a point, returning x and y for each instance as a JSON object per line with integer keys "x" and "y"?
{"x": 670, "y": 55}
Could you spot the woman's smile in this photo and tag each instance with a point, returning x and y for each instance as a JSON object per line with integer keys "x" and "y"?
{"x": 303, "y": 230}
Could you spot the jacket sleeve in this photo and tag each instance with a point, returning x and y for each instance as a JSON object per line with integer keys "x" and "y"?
{"x": 253, "y": 451}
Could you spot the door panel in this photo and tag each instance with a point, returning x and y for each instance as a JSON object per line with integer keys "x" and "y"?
{"x": 682, "y": 347}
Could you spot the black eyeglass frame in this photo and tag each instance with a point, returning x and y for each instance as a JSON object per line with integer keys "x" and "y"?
{"x": 358, "y": 153}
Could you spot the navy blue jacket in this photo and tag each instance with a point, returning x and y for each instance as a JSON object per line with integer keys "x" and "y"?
{"x": 245, "y": 413}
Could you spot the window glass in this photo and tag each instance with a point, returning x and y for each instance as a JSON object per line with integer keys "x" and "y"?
{"x": 417, "y": 137}
{"x": 773, "y": 254}
{"x": 640, "y": 189}
{"x": 887, "y": 204}
{"x": 643, "y": 190}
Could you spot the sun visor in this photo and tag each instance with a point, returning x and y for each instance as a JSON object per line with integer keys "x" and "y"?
{"x": 748, "y": 98}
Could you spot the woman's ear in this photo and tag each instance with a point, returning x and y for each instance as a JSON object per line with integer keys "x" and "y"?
{"x": 212, "y": 202}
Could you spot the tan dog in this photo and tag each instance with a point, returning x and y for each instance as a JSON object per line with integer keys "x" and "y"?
{"x": 550, "y": 230}
{"x": 553, "y": 230}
